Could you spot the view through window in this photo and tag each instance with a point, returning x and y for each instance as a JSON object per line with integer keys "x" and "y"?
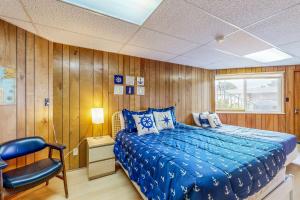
{"x": 253, "y": 93}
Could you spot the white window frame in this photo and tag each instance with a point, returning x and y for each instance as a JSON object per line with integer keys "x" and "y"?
{"x": 244, "y": 76}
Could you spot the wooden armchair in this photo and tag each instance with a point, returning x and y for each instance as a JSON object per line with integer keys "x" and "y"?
{"x": 26, "y": 177}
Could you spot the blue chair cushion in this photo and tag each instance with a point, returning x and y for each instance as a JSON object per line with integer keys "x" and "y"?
{"x": 32, "y": 174}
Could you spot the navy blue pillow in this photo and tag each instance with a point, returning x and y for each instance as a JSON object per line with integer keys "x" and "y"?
{"x": 129, "y": 121}
{"x": 172, "y": 109}
{"x": 204, "y": 120}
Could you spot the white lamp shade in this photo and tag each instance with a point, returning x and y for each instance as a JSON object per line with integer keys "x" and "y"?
{"x": 97, "y": 115}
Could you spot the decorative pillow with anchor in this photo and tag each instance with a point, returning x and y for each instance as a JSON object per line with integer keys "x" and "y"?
{"x": 163, "y": 120}
{"x": 144, "y": 123}
{"x": 214, "y": 120}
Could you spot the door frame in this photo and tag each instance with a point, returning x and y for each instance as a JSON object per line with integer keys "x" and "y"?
{"x": 294, "y": 104}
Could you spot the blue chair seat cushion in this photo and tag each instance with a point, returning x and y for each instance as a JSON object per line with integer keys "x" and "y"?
{"x": 32, "y": 174}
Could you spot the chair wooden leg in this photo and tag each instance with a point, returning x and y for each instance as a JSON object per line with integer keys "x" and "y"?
{"x": 65, "y": 183}
{"x": 1, "y": 187}
{"x": 64, "y": 174}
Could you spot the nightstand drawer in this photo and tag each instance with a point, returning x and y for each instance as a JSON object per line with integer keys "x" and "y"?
{"x": 101, "y": 168}
{"x": 101, "y": 153}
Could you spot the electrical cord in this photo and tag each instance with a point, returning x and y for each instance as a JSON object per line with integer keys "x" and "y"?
{"x": 55, "y": 138}
{"x": 68, "y": 154}
{"x": 54, "y": 132}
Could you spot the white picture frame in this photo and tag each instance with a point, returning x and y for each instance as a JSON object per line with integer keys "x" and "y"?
{"x": 129, "y": 80}
{"x": 140, "y": 80}
{"x": 118, "y": 90}
{"x": 140, "y": 90}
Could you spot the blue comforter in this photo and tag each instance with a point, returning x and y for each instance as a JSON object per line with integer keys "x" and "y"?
{"x": 287, "y": 140}
{"x": 193, "y": 163}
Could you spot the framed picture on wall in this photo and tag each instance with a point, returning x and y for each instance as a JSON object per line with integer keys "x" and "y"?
{"x": 118, "y": 79}
{"x": 118, "y": 90}
{"x": 140, "y": 80}
{"x": 129, "y": 90}
{"x": 129, "y": 80}
{"x": 7, "y": 86}
{"x": 140, "y": 90}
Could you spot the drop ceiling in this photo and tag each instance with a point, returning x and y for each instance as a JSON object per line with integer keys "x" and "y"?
{"x": 178, "y": 31}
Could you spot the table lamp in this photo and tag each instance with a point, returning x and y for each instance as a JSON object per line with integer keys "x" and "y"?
{"x": 97, "y": 115}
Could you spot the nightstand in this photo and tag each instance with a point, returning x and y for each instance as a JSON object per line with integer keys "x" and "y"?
{"x": 100, "y": 156}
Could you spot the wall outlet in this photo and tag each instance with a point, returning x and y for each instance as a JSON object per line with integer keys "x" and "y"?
{"x": 75, "y": 152}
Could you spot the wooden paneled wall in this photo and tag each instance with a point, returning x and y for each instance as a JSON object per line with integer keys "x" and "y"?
{"x": 274, "y": 122}
{"x": 77, "y": 79}
{"x": 31, "y": 56}
{"x": 83, "y": 78}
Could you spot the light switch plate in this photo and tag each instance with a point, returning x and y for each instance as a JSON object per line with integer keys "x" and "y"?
{"x": 75, "y": 152}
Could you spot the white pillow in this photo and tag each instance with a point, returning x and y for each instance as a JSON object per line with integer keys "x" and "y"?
{"x": 145, "y": 124}
{"x": 163, "y": 120}
{"x": 196, "y": 119}
{"x": 122, "y": 122}
{"x": 214, "y": 120}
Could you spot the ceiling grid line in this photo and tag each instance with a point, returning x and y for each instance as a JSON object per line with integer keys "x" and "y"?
{"x": 29, "y": 17}
{"x": 231, "y": 24}
{"x": 181, "y": 31}
{"x": 142, "y": 26}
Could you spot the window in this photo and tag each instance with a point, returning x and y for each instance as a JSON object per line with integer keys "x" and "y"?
{"x": 251, "y": 93}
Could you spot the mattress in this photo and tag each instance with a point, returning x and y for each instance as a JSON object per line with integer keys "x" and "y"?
{"x": 189, "y": 162}
{"x": 291, "y": 157}
{"x": 287, "y": 140}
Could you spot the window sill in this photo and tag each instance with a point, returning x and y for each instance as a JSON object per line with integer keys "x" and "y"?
{"x": 254, "y": 113}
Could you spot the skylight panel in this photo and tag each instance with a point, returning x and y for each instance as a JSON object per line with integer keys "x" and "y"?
{"x": 269, "y": 55}
{"x": 133, "y": 11}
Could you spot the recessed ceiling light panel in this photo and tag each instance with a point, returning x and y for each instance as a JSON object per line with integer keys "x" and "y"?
{"x": 133, "y": 11}
{"x": 269, "y": 55}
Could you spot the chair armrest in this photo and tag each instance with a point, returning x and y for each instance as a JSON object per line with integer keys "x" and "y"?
{"x": 3, "y": 164}
{"x": 59, "y": 147}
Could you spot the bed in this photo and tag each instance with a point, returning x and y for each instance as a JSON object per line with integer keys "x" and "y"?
{"x": 287, "y": 140}
{"x": 194, "y": 163}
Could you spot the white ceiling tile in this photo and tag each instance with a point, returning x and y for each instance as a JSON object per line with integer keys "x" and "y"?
{"x": 234, "y": 62}
{"x": 209, "y": 58}
{"x": 206, "y": 54}
{"x": 291, "y": 61}
{"x": 157, "y": 41}
{"x": 64, "y": 16}
{"x": 65, "y": 37}
{"x": 243, "y": 12}
{"x": 188, "y": 61}
{"x": 22, "y": 24}
{"x": 181, "y": 19}
{"x": 281, "y": 29}
{"x": 146, "y": 53}
{"x": 241, "y": 43}
{"x": 13, "y": 9}
{"x": 291, "y": 48}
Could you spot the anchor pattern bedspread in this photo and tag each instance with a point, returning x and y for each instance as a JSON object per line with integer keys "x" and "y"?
{"x": 287, "y": 140}
{"x": 193, "y": 163}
